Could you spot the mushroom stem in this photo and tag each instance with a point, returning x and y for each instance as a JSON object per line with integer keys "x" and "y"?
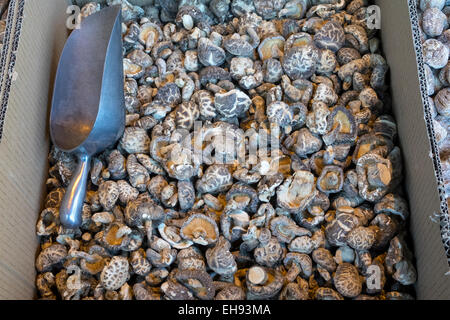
{"x": 123, "y": 231}
{"x": 188, "y": 22}
{"x": 291, "y": 10}
{"x": 293, "y": 272}
{"x": 257, "y": 275}
{"x": 149, "y": 228}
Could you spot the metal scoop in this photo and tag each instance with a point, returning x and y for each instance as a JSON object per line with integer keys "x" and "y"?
{"x": 88, "y": 113}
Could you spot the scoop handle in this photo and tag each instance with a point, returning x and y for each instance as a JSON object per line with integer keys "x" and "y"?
{"x": 72, "y": 203}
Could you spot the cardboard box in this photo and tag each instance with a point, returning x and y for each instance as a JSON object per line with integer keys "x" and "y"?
{"x": 24, "y": 144}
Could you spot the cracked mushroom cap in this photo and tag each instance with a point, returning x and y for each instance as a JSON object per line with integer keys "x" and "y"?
{"x": 300, "y": 62}
{"x": 135, "y": 140}
{"x": 230, "y": 292}
{"x": 347, "y": 281}
{"x": 303, "y": 244}
{"x": 50, "y": 256}
{"x": 217, "y": 178}
{"x": 280, "y": 113}
{"x": 139, "y": 263}
{"x": 324, "y": 258}
{"x": 362, "y": 238}
{"x": 209, "y": 54}
{"x": 232, "y": 103}
{"x": 237, "y": 46}
{"x": 331, "y": 36}
{"x": 297, "y": 192}
{"x": 295, "y": 291}
{"x": 108, "y": 193}
{"x": 305, "y": 142}
{"x": 220, "y": 258}
{"x": 270, "y": 253}
{"x": 115, "y": 273}
{"x": 336, "y": 231}
{"x": 200, "y": 229}
{"x": 191, "y": 258}
{"x": 199, "y": 283}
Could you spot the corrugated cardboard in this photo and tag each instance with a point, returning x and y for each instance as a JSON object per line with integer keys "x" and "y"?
{"x": 25, "y": 145}
{"x": 420, "y": 182}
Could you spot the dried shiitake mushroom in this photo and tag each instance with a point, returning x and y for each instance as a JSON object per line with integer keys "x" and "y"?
{"x": 258, "y": 159}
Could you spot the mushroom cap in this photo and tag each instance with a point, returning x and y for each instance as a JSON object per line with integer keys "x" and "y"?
{"x": 269, "y": 254}
{"x": 135, "y": 140}
{"x": 297, "y": 40}
{"x": 324, "y": 258}
{"x": 198, "y": 281}
{"x": 143, "y": 208}
{"x": 220, "y": 259}
{"x": 139, "y": 263}
{"x": 115, "y": 273}
{"x": 271, "y": 47}
{"x": 172, "y": 235}
{"x": 435, "y": 53}
{"x": 232, "y": 103}
{"x": 176, "y": 291}
{"x": 341, "y": 127}
{"x": 392, "y": 204}
{"x": 209, "y": 54}
{"x": 230, "y": 292}
{"x": 50, "y": 256}
{"x": 362, "y": 238}
{"x": 331, "y": 36}
{"x": 169, "y": 94}
{"x": 200, "y": 229}
{"x": 267, "y": 290}
{"x": 108, "y": 193}
{"x": 346, "y": 280}
{"x": 331, "y": 179}
{"x": 323, "y": 293}
{"x": 240, "y": 192}
{"x": 300, "y": 62}
{"x": 303, "y": 261}
{"x": 374, "y": 176}
{"x": 190, "y": 258}
{"x": 238, "y": 47}
{"x": 280, "y": 113}
{"x": 216, "y": 178}
{"x": 285, "y": 229}
{"x": 297, "y": 192}
{"x": 337, "y": 230}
